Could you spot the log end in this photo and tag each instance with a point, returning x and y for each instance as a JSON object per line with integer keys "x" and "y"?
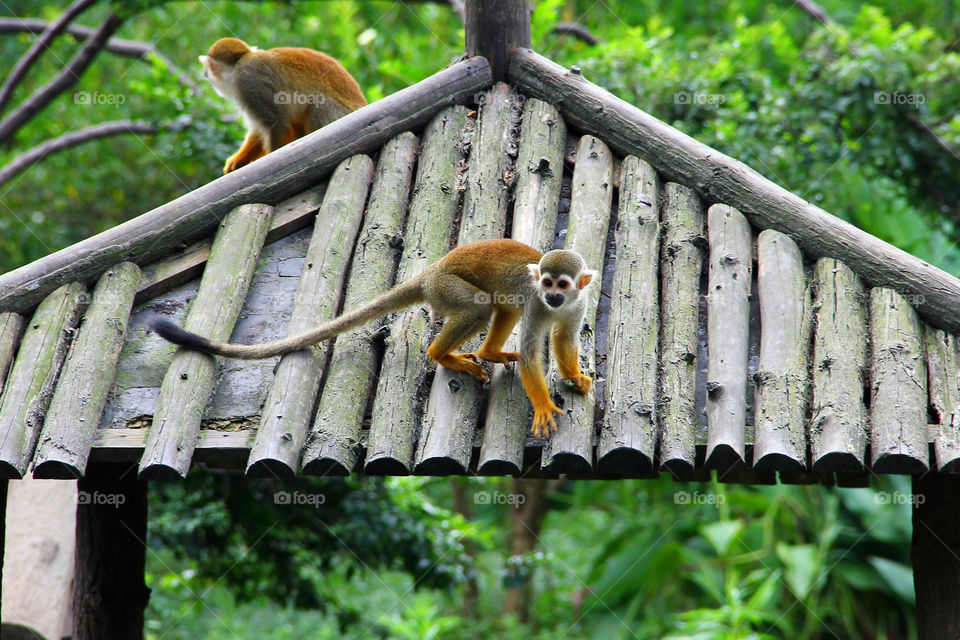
{"x": 9, "y": 471}
{"x": 439, "y": 466}
{"x": 270, "y": 468}
{"x": 626, "y": 460}
{"x": 778, "y": 462}
{"x": 567, "y": 462}
{"x": 56, "y": 470}
{"x": 678, "y": 466}
{"x": 724, "y": 457}
{"x": 386, "y": 466}
{"x": 161, "y": 472}
{"x": 498, "y": 468}
{"x": 325, "y": 467}
{"x": 838, "y": 462}
{"x": 899, "y": 463}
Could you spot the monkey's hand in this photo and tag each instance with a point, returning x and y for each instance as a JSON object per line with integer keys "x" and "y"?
{"x": 580, "y": 383}
{"x": 233, "y": 163}
{"x": 543, "y": 422}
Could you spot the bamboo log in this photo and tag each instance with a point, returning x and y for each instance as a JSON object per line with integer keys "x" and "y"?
{"x": 81, "y": 393}
{"x": 333, "y": 442}
{"x": 189, "y": 381}
{"x": 728, "y": 322}
{"x": 400, "y": 395}
{"x": 570, "y": 449}
{"x": 289, "y": 216}
{"x": 289, "y": 405}
{"x": 898, "y": 386}
{"x": 33, "y": 377}
{"x": 681, "y": 259}
{"x": 279, "y": 175}
{"x": 783, "y": 384}
{"x": 446, "y": 435}
{"x": 838, "y": 423}
{"x": 539, "y": 170}
{"x": 719, "y": 178}
{"x": 11, "y": 328}
{"x": 943, "y": 365}
{"x": 628, "y": 436}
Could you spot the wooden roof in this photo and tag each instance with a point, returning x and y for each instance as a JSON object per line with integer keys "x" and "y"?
{"x": 716, "y": 341}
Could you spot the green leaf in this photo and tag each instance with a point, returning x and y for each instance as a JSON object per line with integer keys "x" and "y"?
{"x": 801, "y": 566}
{"x": 721, "y": 533}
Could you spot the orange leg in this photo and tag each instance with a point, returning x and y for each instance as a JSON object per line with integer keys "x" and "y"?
{"x": 535, "y": 384}
{"x": 566, "y": 349}
{"x": 456, "y": 331}
{"x": 251, "y": 149}
{"x": 492, "y": 348}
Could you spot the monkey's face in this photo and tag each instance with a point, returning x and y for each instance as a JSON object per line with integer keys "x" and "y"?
{"x": 557, "y": 289}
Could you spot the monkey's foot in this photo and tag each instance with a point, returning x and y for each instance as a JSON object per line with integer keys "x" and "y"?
{"x": 580, "y": 383}
{"x": 465, "y": 362}
{"x": 543, "y": 422}
{"x": 503, "y": 357}
{"x": 233, "y": 163}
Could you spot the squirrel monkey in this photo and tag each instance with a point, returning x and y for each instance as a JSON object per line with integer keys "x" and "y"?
{"x": 283, "y": 93}
{"x": 491, "y": 281}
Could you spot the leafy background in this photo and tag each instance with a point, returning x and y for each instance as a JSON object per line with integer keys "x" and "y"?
{"x": 801, "y": 102}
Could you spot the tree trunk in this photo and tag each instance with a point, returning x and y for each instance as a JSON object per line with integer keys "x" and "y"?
{"x": 109, "y": 593}
{"x": 936, "y": 555}
{"x": 525, "y": 522}
{"x": 461, "y": 505}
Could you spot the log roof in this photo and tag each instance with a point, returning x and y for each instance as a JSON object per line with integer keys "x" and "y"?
{"x": 734, "y": 331}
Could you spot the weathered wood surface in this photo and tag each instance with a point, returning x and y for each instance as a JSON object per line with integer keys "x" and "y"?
{"x": 453, "y": 404}
{"x": 494, "y": 29}
{"x": 332, "y": 445}
{"x": 400, "y": 396}
{"x": 943, "y": 367}
{"x": 720, "y": 178}
{"x": 838, "y": 416}
{"x": 898, "y": 386}
{"x": 288, "y": 409}
{"x": 570, "y": 449}
{"x": 33, "y": 377}
{"x": 628, "y": 435}
{"x": 537, "y": 194}
{"x": 289, "y": 216}
{"x": 11, "y": 328}
{"x": 681, "y": 259}
{"x": 783, "y": 383}
{"x": 271, "y": 179}
{"x": 728, "y": 321}
{"x": 81, "y": 392}
{"x": 189, "y": 381}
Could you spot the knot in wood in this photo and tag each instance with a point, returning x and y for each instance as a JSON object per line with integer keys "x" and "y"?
{"x": 184, "y": 376}
{"x": 454, "y": 385}
{"x": 395, "y": 241}
{"x": 730, "y": 259}
{"x": 543, "y": 166}
{"x": 714, "y": 388}
{"x": 575, "y": 70}
{"x": 642, "y": 408}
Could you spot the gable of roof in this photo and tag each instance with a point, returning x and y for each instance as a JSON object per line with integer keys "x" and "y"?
{"x": 698, "y": 298}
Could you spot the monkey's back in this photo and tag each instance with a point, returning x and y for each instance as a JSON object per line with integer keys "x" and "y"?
{"x": 494, "y": 266}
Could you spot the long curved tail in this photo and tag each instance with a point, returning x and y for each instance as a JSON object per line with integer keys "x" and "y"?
{"x": 401, "y": 296}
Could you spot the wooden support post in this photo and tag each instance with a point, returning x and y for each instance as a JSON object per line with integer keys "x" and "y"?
{"x": 4, "y": 483}
{"x": 109, "y": 593}
{"x": 494, "y": 28}
{"x": 936, "y": 555}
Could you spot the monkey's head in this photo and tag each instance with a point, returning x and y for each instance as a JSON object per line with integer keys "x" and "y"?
{"x": 219, "y": 62}
{"x": 560, "y": 277}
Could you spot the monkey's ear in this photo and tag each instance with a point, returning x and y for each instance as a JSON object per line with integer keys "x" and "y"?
{"x": 585, "y": 278}
{"x": 534, "y": 270}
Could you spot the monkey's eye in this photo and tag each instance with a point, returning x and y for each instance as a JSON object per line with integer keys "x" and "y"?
{"x": 562, "y": 284}
{"x": 547, "y": 282}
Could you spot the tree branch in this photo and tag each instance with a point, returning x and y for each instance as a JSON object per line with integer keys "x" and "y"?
{"x": 73, "y": 139}
{"x": 814, "y": 10}
{"x": 118, "y": 46}
{"x": 67, "y": 77}
{"x": 39, "y": 47}
{"x": 576, "y": 30}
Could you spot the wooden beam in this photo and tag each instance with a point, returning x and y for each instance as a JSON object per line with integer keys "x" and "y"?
{"x": 494, "y": 29}
{"x": 936, "y": 555}
{"x": 281, "y": 174}
{"x": 109, "y": 593}
{"x": 719, "y": 178}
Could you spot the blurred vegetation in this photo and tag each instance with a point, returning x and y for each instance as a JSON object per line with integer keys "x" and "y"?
{"x": 830, "y": 112}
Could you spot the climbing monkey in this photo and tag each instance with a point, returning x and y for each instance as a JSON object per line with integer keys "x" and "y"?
{"x": 283, "y": 94}
{"x": 495, "y": 282}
